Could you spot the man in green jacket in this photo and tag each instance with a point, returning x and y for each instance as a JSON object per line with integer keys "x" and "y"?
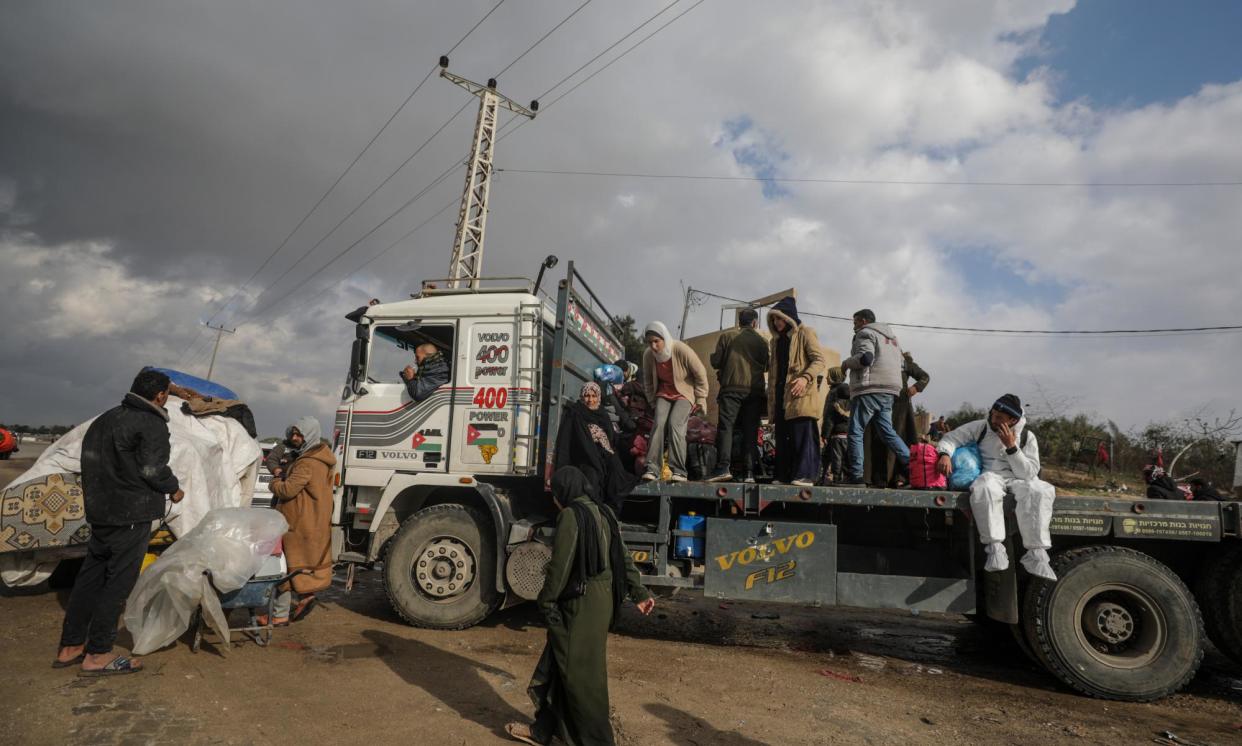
{"x": 740, "y": 359}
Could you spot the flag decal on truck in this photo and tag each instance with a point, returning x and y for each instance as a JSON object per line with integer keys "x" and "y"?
{"x": 484, "y": 436}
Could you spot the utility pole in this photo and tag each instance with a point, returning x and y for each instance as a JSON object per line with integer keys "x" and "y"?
{"x": 467, "y": 262}
{"x": 220, "y": 331}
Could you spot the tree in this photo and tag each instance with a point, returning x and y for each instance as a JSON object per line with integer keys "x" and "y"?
{"x": 625, "y": 328}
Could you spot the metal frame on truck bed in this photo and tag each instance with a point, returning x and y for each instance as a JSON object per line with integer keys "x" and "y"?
{"x": 449, "y": 495}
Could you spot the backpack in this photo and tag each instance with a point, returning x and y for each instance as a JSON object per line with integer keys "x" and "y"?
{"x": 923, "y": 473}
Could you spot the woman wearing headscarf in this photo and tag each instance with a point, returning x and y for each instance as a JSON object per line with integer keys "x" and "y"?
{"x": 675, "y": 381}
{"x": 587, "y": 439}
{"x": 588, "y": 578}
{"x": 304, "y": 497}
{"x": 796, "y": 393}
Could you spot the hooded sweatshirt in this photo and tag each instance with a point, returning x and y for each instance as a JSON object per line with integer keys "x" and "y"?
{"x": 874, "y": 362}
{"x": 1021, "y": 464}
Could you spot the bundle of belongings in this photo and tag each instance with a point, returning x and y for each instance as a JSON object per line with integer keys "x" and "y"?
{"x": 215, "y": 458}
{"x": 700, "y": 435}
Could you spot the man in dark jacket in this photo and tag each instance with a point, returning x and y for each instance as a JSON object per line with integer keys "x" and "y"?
{"x": 740, "y": 359}
{"x": 125, "y": 477}
{"x": 836, "y": 425}
{"x": 432, "y": 372}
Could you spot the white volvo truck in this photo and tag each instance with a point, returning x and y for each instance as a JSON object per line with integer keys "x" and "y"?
{"x": 449, "y": 494}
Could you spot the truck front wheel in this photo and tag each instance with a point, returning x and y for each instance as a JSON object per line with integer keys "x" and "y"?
{"x": 440, "y": 571}
{"x": 1117, "y": 624}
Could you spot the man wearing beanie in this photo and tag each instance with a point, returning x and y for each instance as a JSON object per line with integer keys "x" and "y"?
{"x": 1010, "y": 462}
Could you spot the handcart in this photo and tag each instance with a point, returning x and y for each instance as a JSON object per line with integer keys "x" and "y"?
{"x": 259, "y": 593}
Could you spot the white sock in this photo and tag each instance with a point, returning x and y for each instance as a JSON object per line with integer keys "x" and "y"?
{"x": 1037, "y": 563}
{"x": 998, "y": 558}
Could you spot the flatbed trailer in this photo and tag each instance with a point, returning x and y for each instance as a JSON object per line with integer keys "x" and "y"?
{"x": 449, "y": 497}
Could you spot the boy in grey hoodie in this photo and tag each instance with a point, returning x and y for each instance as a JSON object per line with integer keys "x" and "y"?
{"x": 874, "y": 365}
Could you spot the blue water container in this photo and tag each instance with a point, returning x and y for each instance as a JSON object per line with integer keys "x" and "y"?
{"x": 688, "y": 547}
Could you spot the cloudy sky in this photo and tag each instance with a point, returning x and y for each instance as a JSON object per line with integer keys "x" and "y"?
{"x": 153, "y": 154}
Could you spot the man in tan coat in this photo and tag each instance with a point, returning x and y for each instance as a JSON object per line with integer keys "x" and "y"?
{"x": 304, "y": 497}
{"x": 675, "y": 381}
{"x": 796, "y": 392}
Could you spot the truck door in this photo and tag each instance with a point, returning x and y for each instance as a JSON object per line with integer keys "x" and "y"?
{"x": 495, "y": 376}
{"x": 388, "y": 430}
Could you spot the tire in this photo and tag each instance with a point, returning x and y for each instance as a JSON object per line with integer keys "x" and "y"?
{"x": 1219, "y": 591}
{"x": 1117, "y": 624}
{"x": 435, "y": 536}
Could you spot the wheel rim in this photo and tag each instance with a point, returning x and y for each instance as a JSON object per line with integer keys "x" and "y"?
{"x": 444, "y": 568}
{"x": 1120, "y": 626}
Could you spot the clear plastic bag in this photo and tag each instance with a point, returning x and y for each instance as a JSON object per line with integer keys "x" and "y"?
{"x": 230, "y": 542}
{"x": 966, "y": 466}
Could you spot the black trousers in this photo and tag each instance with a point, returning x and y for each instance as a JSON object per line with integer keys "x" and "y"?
{"x": 737, "y": 427}
{"x": 113, "y": 559}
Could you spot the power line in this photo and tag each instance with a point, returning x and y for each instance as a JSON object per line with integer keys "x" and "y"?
{"x": 394, "y": 173}
{"x": 256, "y": 315}
{"x": 869, "y": 182}
{"x": 613, "y": 61}
{"x": 367, "y": 198}
{"x": 541, "y": 39}
{"x": 340, "y": 177}
{"x": 1174, "y": 331}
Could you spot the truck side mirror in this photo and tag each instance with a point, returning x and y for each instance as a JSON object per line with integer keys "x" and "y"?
{"x": 362, "y": 331}
{"x": 357, "y": 360}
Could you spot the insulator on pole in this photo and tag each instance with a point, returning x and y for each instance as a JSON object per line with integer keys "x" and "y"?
{"x": 491, "y": 83}
{"x": 444, "y": 61}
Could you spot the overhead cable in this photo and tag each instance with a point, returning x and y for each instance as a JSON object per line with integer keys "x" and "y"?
{"x": 869, "y": 182}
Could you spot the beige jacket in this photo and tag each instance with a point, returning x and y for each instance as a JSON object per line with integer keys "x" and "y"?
{"x": 806, "y": 361}
{"x": 689, "y": 375}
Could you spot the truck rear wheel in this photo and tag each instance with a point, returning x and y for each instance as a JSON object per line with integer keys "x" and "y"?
{"x": 1219, "y": 590}
{"x": 440, "y": 571}
{"x": 1117, "y": 624}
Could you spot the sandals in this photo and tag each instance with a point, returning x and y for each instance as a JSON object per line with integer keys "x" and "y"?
{"x": 280, "y": 621}
{"x": 117, "y": 666}
{"x": 303, "y": 609}
{"x": 521, "y": 732}
{"x": 57, "y": 663}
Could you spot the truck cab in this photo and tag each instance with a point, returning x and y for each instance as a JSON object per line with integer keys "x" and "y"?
{"x": 438, "y": 488}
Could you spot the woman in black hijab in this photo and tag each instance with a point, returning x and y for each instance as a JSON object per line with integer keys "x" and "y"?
{"x": 588, "y": 578}
{"x": 587, "y": 440}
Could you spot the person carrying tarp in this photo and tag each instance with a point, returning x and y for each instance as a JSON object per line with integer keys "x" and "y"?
{"x": 588, "y": 578}
{"x": 1010, "y": 459}
{"x": 304, "y": 497}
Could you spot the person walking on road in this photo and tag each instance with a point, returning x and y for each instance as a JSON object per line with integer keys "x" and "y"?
{"x": 125, "y": 477}
{"x": 874, "y": 364}
{"x": 740, "y": 359}
{"x": 796, "y": 392}
{"x": 588, "y": 578}
{"x": 675, "y": 381}
{"x": 304, "y": 497}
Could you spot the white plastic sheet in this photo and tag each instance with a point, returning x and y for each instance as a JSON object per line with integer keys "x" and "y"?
{"x": 230, "y": 542}
{"x": 215, "y": 460}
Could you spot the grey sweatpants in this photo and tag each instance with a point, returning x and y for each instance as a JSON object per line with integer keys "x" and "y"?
{"x": 670, "y": 416}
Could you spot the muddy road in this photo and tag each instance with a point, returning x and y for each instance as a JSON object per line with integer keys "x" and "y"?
{"x": 695, "y": 672}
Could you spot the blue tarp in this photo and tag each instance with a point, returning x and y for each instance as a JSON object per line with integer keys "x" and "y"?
{"x": 201, "y": 385}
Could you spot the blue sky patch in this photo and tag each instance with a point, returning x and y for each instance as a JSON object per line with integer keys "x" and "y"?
{"x": 991, "y": 278}
{"x": 757, "y": 151}
{"x": 1123, "y": 54}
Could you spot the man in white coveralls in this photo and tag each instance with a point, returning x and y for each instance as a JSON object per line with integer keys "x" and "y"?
{"x": 1009, "y": 455}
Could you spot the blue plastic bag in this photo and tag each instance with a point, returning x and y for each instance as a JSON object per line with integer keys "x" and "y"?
{"x": 609, "y": 374}
{"x": 966, "y": 466}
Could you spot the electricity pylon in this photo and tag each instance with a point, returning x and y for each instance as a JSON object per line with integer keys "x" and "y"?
{"x": 467, "y": 263}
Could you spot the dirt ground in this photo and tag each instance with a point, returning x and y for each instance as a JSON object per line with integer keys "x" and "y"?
{"x": 695, "y": 672}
